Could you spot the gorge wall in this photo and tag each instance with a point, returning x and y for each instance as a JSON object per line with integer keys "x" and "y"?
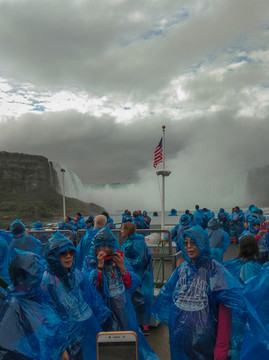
{"x": 28, "y": 189}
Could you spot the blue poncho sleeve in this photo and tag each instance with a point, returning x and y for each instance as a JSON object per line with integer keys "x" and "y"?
{"x": 30, "y": 328}
{"x": 161, "y": 307}
{"x": 95, "y": 300}
{"x": 256, "y": 339}
{"x": 227, "y": 241}
{"x": 4, "y": 258}
{"x": 249, "y": 270}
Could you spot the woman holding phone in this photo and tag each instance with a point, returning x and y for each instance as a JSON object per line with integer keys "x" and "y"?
{"x": 112, "y": 275}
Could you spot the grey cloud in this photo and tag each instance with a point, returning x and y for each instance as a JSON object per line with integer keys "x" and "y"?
{"x": 101, "y": 151}
{"x": 52, "y": 44}
{"x": 97, "y": 149}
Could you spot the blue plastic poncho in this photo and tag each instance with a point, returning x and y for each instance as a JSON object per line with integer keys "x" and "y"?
{"x": 185, "y": 222}
{"x": 139, "y": 256}
{"x": 223, "y": 220}
{"x": 263, "y": 241}
{"x": 219, "y": 240}
{"x": 139, "y": 223}
{"x": 24, "y": 242}
{"x": 256, "y": 339}
{"x": 81, "y": 223}
{"x": 126, "y": 218}
{"x": 237, "y": 220}
{"x": 251, "y": 209}
{"x": 114, "y": 293}
{"x": 74, "y": 300}
{"x": 37, "y": 226}
{"x": 242, "y": 270}
{"x": 5, "y": 239}
{"x": 208, "y": 215}
{"x": 110, "y": 223}
{"x": 146, "y": 217}
{"x": 29, "y": 327}
{"x": 199, "y": 218}
{"x": 84, "y": 247}
{"x": 36, "y": 231}
{"x": 173, "y": 212}
{"x": 68, "y": 226}
{"x": 188, "y": 302}
{"x": 251, "y": 230}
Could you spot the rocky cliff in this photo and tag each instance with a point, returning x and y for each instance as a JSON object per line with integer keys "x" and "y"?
{"x": 28, "y": 189}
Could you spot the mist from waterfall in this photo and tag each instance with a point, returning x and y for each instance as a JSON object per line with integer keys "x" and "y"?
{"x": 181, "y": 192}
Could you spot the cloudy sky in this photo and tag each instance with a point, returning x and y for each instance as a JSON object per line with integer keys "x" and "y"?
{"x": 89, "y": 84}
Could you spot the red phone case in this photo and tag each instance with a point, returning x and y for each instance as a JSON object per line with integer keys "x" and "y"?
{"x": 110, "y": 256}
{"x": 120, "y": 252}
{"x": 263, "y": 226}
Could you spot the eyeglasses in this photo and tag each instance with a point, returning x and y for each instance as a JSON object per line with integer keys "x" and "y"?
{"x": 190, "y": 243}
{"x": 67, "y": 252}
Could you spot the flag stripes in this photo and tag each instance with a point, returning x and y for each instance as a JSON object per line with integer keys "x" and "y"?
{"x": 158, "y": 153}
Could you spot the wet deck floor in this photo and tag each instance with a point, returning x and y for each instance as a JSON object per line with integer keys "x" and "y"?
{"x": 159, "y": 338}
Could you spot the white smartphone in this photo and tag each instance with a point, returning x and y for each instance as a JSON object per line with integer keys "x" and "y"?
{"x": 117, "y": 345}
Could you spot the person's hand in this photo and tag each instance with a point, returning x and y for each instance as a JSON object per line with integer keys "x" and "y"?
{"x": 119, "y": 260}
{"x": 65, "y": 356}
{"x": 262, "y": 232}
{"x": 101, "y": 258}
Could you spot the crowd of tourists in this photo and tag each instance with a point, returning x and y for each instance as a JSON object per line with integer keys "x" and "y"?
{"x": 56, "y": 295}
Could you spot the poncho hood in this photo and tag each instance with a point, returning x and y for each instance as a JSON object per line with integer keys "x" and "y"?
{"x": 26, "y": 268}
{"x": 251, "y": 221}
{"x": 17, "y": 228}
{"x": 185, "y": 220}
{"x": 57, "y": 244}
{"x": 105, "y": 237}
{"x": 38, "y": 225}
{"x": 213, "y": 224}
{"x": 201, "y": 239}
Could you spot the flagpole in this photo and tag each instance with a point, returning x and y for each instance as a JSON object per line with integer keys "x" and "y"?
{"x": 163, "y": 182}
{"x": 164, "y": 173}
{"x": 63, "y": 171}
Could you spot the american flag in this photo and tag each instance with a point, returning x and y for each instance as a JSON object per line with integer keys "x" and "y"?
{"x": 158, "y": 153}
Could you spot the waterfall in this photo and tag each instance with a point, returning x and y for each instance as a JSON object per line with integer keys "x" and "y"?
{"x": 72, "y": 183}
{"x": 229, "y": 190}
{"x": 221, "y": 191}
